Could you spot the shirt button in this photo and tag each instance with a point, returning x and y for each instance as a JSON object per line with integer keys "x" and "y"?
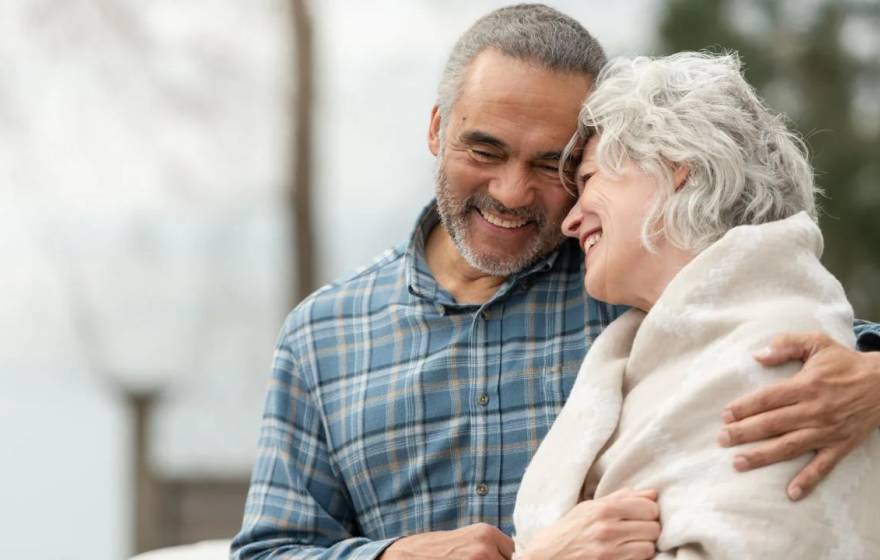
{"x": 483, "y": 399}
{"x": 484, "y": 314}
{"x": 482, "y": 489}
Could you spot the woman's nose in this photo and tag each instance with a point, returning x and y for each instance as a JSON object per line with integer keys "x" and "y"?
{"x": 572, "y": 223}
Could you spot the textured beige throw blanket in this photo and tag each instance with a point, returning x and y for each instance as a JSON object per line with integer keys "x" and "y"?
{"x": 645, "y": 411}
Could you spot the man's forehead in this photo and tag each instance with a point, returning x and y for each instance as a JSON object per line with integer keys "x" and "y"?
{"x": 493, "y": 73}
{"x": 518, "y": 103}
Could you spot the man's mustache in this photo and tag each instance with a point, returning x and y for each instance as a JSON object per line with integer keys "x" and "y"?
{"x": 482, "y": 201}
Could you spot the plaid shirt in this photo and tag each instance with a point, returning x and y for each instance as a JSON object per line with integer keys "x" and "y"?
{"x": 393, "y": 410}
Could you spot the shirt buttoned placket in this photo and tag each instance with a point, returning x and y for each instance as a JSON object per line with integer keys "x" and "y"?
{"x": 486, "y": 333}
{"x": 481, "y": 343}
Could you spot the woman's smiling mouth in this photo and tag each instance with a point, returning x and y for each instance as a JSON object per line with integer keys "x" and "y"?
{"x": 590, "y": 238}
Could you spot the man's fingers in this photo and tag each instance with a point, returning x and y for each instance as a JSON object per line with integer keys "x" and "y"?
{"x": 766, "y": 425}
{"x": 791, "y": 346}
{"x": 791, "y": 445}
{"x": 816, "y": 470}
{"x": 505, "y": 545}
{"x": 782, "y": 393}
{"x": 491, "y": 535}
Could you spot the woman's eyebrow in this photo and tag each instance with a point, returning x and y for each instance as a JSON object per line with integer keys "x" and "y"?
{"x": 587, "y": 159}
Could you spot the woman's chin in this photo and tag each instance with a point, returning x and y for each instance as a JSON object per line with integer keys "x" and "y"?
{"x": 596, "y": 292}
{"x": 603, "y": 295}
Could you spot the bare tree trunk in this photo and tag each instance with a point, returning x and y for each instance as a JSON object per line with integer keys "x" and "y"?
{"x": 148, "y": 497}
{"x": 300, "y": 201}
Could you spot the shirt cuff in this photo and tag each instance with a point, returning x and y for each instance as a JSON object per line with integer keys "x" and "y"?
{"x": 372, "y": 549}
{"x": 867, "y": 336}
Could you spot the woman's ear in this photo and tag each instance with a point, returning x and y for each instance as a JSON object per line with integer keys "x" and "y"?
{"x": 680, "y": 176}
{"x": 434, "y": 131}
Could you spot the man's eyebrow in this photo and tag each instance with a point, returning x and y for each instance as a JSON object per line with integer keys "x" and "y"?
{"x": 550, "y": 156}
{"x": 480, "y": 137}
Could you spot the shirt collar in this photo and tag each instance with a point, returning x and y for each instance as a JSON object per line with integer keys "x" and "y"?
{"x": 421, "y": 282}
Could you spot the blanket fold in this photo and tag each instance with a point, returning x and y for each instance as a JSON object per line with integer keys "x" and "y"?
{"x": 645, "y": 411}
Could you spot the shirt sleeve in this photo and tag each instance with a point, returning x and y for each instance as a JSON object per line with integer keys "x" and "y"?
{"x": 867, "y": 336}
{"x": 297, "y": 507}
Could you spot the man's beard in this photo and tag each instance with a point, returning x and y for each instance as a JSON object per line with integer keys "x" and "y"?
{"x": 455, "y": 213}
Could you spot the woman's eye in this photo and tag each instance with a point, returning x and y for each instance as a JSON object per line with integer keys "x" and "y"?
{"x": 582, "y": 181}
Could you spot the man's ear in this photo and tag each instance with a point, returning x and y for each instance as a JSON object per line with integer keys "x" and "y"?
{"x": 679, "y": 176}
{"x": 434, "y": 131}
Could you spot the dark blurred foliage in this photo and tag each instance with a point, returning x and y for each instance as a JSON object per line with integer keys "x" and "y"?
{"x": 808, "y": 60}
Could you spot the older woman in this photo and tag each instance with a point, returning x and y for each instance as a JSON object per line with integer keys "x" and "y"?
{"x": 695, "y": 207}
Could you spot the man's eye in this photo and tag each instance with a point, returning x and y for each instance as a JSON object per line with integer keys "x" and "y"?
{"x": 483, "y": 155}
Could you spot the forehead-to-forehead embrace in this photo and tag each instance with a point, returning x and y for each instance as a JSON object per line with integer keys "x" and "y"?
{"x": 507, "y": 109}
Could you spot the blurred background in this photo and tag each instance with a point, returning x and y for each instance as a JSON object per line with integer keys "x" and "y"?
{"x": 176, "y": 175}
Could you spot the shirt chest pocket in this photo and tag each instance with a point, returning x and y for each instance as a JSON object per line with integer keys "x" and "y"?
{"x": 560, "y": 370}
{"x": 555, "y": 385}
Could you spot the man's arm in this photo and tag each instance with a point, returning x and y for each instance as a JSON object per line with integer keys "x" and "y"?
{"x": 296, "y": 505}
{"x": 867, "y": 336}
{"x": 298, "y": 508}
{"x": 830, "y": 406}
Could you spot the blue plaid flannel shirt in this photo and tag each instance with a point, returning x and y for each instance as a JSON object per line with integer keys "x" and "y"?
{"x": 393, "y": 410}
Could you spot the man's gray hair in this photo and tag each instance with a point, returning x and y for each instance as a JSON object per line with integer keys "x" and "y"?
{"x": 696, "y": 109}
{"x": 531, "y": 32}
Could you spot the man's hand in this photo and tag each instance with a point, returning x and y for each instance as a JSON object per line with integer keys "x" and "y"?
{"x": 477, "y": 542}
{"x": 622, "y": 525}
{"x": 830, "y": 407}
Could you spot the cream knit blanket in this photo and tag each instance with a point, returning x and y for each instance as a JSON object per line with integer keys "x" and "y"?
{"x": 646, "y": 408}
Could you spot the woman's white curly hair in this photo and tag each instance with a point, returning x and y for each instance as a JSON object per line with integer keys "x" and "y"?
{"x": 695, "y": 109}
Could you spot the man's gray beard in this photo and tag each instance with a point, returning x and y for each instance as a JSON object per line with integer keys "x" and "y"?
{"x": 454, "y": 216}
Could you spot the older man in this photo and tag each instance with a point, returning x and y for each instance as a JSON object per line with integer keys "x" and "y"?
{"x": 407, "y": 400}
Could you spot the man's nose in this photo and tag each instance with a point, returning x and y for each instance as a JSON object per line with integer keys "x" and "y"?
{"x": 513, "y": 187}
{"x": 571, "y": 225}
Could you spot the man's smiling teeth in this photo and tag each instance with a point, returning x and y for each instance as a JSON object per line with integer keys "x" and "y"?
{"x": 592, "y": 239}
{"x": 501, "y": 222}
